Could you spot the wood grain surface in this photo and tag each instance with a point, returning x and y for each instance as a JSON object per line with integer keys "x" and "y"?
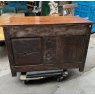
{"x": 4, "y": 18}
{"x": 46, "y": 43}
{"x": 36, "y": 20}
{"x": 1, "y": 34}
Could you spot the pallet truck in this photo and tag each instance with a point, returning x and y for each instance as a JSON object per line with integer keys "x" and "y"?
{"x": 36, "y": 75}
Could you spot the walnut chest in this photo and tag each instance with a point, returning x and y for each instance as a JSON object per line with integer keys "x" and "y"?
{"x": 46, "y": 43}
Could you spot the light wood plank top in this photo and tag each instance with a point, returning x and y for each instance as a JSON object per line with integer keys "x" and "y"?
{"x": 12, "y": 15}
{"x": 36, "y": 20}
{"x": 1, "y": 34}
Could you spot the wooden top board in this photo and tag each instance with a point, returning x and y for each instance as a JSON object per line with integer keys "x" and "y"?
{"x": 39, "y": 20}
{"x": 6, "y": 17}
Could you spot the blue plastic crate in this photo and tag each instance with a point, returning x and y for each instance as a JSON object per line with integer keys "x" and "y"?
{"x": 77, "y": 2}
{"x": 20, "y": 6}
{"x": 21, "y": 9}
{"x": 84, "y": 15}
{"x": 15, "y": 3}
{"x": 88, "y": 2}
{"x": 12, "y": 3}
{"x": 93, "y": 28}
{"x": 86, "y": 9}
{"x": 8, "y": 9}
{"x": 92, "y": 18}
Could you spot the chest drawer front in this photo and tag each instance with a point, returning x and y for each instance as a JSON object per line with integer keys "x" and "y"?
{"x": 47, "y": 30}
{"x": 27, "y": 51}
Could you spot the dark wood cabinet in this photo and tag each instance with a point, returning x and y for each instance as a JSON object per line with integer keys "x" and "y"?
{"x": 47, "y": 46}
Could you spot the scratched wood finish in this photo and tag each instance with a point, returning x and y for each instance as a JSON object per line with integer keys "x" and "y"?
{"x": 47, "y": 30}
{"x": 49, "y": 50}
{"x": 72, "y": 47}
{"x": 41, "y": 20}
{"x": 46, "y": 47}
{"x": 27, "y": 51}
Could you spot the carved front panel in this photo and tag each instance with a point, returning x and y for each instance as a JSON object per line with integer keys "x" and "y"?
{"x": 27, "y": 51}
{"x": 49, "y": 50}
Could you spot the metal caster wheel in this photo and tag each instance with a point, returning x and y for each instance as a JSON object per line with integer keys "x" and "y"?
{"x": 63, "y": 76}
{"x": 26, "y": 82}
{"x": 65, "y": 73}
{"x": 60, "y": 78}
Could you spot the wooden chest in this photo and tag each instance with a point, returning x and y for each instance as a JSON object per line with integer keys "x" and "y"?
{"x": 47, "y": 45}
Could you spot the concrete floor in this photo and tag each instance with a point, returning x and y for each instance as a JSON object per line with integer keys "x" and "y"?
{"x": 75, "y": 83}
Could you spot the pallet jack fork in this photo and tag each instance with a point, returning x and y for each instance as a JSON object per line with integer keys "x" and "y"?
{"x": 36, "y": 75}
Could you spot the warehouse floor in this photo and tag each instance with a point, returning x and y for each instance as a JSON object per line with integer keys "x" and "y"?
{"x": 77, "y": 82}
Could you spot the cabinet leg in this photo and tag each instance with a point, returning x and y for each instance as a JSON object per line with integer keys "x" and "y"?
{"x": 81, "y": 69}
{"x": 14, "y": 74}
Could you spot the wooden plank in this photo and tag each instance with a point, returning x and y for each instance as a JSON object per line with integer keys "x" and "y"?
{"x": 2, "y": 38}
{"x": 45, "y": 67}
{"x": 37, "y": 20}
{"x": 47, "y": 30}
{"x": 12, "y": 15}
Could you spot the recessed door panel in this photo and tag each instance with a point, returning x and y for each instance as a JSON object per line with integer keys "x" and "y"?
{"x": 73, "y": 47}
{"x": 27, "y": 51}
